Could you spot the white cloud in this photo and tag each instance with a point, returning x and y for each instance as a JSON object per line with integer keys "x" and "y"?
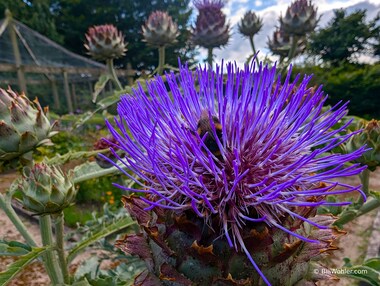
{"x": 258, "y": 3}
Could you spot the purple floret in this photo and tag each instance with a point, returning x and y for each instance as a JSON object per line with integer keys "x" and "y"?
{"x": 273, "y": 148}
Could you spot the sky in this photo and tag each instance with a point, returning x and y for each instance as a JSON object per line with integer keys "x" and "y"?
{"x": 238, "y": 48}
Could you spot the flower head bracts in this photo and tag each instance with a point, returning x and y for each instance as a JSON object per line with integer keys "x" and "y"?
{"x": 271, "y": 141}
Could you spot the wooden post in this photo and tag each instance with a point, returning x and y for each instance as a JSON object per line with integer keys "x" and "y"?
{"x": 67, "y": 92}
{"x": 130, "y": 74}
{"x": 17, "y": 56}
{"x": 90, "y": 87}
{"x": 74, "y": 95}
{"x": 57, "y": 104}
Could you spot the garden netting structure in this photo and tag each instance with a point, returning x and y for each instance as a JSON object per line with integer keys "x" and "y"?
{"x": 44, "y": 69}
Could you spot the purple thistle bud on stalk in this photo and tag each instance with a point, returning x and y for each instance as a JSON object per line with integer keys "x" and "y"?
{"x": 236, "y": 162}
{"x": 160, "y": 30}
{"x": 300, "y": 18}
{"x": 104, "y": 42}
{"x": 211, "y": 29}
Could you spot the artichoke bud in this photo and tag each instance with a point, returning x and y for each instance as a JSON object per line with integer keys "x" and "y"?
{"x": 106, "y": 144}
{"x": 300, "y": 18}
{"x": 370, "y": 136}
{"x": 250, "y": 24}
{"x": 105, "y": 42}
{"x": 23, "y": 125}
{"x": 160, "y": 30}
{"x": 280, "y": 43}
{"x": 46, "y": 189}
{"x": 211, "y": 30}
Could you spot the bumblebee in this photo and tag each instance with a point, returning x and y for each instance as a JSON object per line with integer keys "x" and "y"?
{"x": 204, "y": 127}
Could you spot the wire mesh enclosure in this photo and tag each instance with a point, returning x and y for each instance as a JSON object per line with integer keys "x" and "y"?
{"x": 32, "y": 63}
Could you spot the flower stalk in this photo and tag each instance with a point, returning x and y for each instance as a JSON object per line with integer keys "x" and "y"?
{"x": 52, "y": 266}
{"x": 59, "y": 235}
{"x": 161, "y": 60}
{"x": 112, "y": 73}
{"x": 364, "y": 179}
{"x": 6, "y": 206}
{"x": 254, "y": 50}
{"x": 210, "y": 56}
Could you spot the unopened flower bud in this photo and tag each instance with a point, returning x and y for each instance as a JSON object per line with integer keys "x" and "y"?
{"x": 211, "y": 30}
{"x": 300, "y": 18}
{"x": 250, "y": 24}
{"x": 105, "y": 42}
{"x": 160, "y": 30}
{"x": 46, "y": 189}
{"x": 370, "y": 136}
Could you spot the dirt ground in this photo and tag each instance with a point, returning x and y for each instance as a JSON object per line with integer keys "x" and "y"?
{"x": 352, "y": 245}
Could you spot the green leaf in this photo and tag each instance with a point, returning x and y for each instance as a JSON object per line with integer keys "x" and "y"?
{"x": 83, "y": 282}
{"x": 375, "y": 195}
{"x": 107, "y": 230}
{"x": 100, "y": 85}
{"x": 7, "y": 275}
{"x": 62, "y": 159}
{"x": 89, "y": 267}
{"x": 373, "y": 263}
{"x": 369, "y": 272}
{"x": 91, "y": 170}
{"x": 13, "y": 248}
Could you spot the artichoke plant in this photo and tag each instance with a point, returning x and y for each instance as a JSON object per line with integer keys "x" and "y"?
{"x": 370, "y": 136}
{"x": 46, "y": 189}
{"x": 250, "y": 24}
{"x": 211, "y": 30}
{"x": 300, "y": 18}
{"x": 231, "y": 172}
{"x": 105, "y": 42}
{"x": 160, "y": 30}
{"x": 23, "y": 126}
{"x": 281, "y": 44}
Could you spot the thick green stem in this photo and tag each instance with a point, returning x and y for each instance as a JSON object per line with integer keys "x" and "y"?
{"x": 254, "y": 50}
{"x": 364, "y": 178}
{"x": 161, "y": 59}
{"x": 59, "y": 235}
{"x": 293, "y": 49}
{"x": 210, "y": 57}
{"x": 351, "y": 215}
{"x": 112, "y": 72}
{"x": 11, "y": 214}
{"x": 52, "y": 266}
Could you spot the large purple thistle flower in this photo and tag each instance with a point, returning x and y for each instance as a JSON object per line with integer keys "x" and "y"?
{"x": 272, "y": 141}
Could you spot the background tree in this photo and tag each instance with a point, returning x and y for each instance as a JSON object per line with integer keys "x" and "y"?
{"x": 344, "y": 37}
{"x": 74, "y": 17}
{"x": 35, "y": 14}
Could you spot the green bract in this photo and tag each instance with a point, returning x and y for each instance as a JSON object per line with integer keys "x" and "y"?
{"x": 181, "y": 247}
{"x": 46, "y": 189}
{"x": 23, "y": 126}
{"x": 370, "y": 136}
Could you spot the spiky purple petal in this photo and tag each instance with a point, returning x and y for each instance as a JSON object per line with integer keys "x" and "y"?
{"x": 273, "y": 148}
